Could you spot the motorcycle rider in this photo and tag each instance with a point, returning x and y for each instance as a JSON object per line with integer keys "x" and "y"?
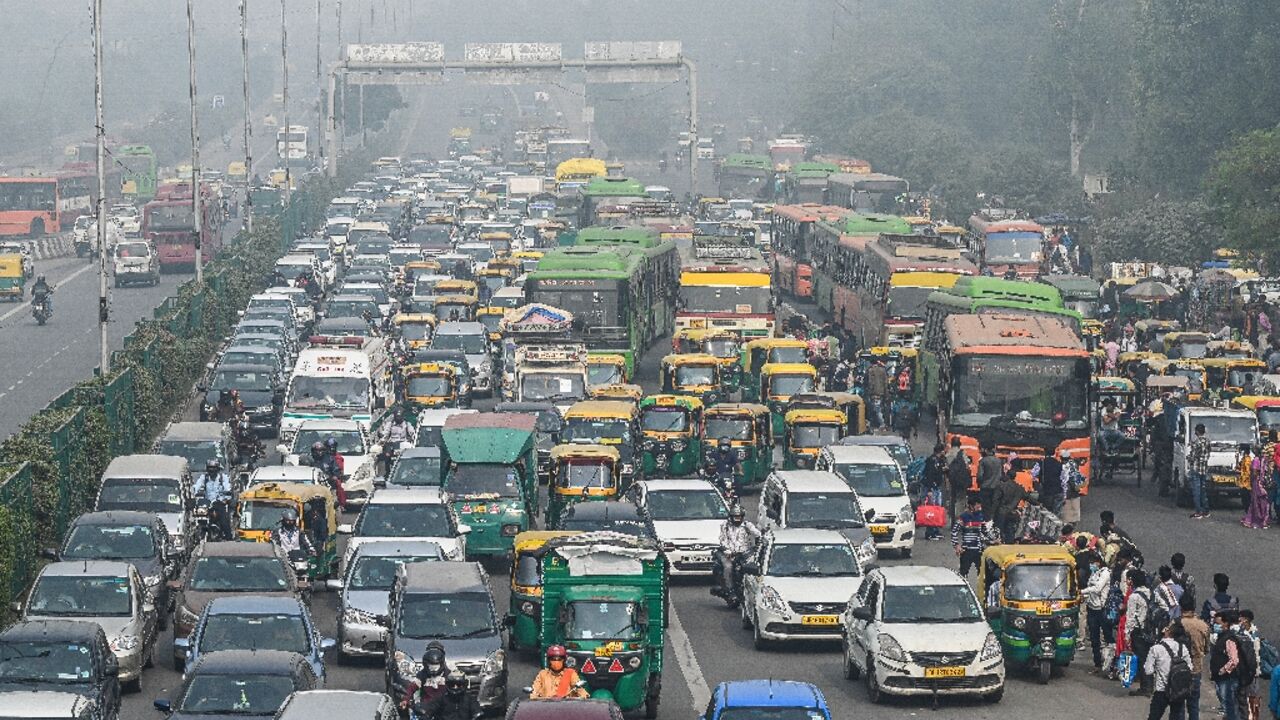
{"x": 455, "y": 704}
{"x": 215, "y": 487}
{"x": 429, "y": 682}
{"x": 295, "y": 543}
{"x": 738, "y": 539}
{"x": 555, "y": 680}
{"x": 42, "y": 292}
{"x": 395, "y": 431}
{"x": 320, "y": 458}
{"x": 723, "y": 462}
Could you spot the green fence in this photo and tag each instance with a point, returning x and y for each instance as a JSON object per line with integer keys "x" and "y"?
{"x": 49, "y": 469}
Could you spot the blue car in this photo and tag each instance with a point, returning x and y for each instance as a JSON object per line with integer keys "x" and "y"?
{"x": 256, "y": 622}
{"x": 783, "y": 700}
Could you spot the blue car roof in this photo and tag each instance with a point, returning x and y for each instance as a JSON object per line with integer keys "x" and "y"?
{"x": 768, "y": 693}
{"x": 255, "y": 605}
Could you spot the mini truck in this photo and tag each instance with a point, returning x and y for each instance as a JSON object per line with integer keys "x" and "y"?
{"x": 492, "y": 479}
{"x": 551, "y": 373}
{"x": 604, "y": 597}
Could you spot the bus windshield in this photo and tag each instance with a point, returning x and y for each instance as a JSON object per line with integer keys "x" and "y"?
{"x": 27, "y": 196}
{"x": 1035, "y": 391}
{"x": 1014, "y": 247}
{"x": 724, "y": 298}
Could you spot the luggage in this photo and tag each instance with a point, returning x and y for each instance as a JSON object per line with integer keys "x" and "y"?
{"x": 931, "y": 516}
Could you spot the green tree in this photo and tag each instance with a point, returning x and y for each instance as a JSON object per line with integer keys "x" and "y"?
{"x": 1165, "y": 231}
{"x": 1244, "y": 188}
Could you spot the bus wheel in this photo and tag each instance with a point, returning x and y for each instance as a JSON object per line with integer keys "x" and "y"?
{"x": 37, "y": 228}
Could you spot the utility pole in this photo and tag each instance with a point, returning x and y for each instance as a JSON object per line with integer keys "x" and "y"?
{"x": 104, "y": 360}
{"x": 195, "y": 139}
{"x": 284, "y": 60}
{"x": 248, "y": 120}
{"x": 319, "y": 90}
{"x": 342, "y": 53}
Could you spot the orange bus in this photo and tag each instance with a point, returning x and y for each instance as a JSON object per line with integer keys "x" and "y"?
{"x": 792, "y": 228}
{"x": 28, "y": 206}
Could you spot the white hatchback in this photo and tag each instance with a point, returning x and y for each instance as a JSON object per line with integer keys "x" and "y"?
{"x": 881, "y": 486}
{"x": 799, "y": 585}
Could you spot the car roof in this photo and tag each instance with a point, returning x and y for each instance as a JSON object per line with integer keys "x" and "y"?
{"x": 768, "y": 693}
{"x": 284, "y": 472}
{"x": 52, "y": 630}
{"x": 116, "y": 517}
{"x": 431, "y": 416}
{"x": 95, "y": 568}
{"x": 255, "y": 605}
{"x": 234, "y": 367}
{"x": 420, "y": 452}
{"x": 306, "y": 704}
{"x": 201, "y": 430}
{"x": 604, "y": 510}
{"x": 247, "y": 662}
{"x": 457, "y": 327}
{"x": 146, "y": 466}
{"x": 875, "y": 440}
{"x": 919, "y": 575}
{"x": 407, "y": 495}
{"x": 677, "y": 484}
{"x": 41, "y": 704}
{"x": 806, "y": 536}
{"x": 443, "y": 577}
{"x": 861, "y": 454}
{"x": 549, "y": 709}
{"x": 391, "y": 548}
{"x": 812, "y": 481}
{"x": 330, "y": 424}
{"x": 233, "y": 548}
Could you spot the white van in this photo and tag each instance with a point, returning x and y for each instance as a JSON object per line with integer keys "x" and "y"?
{"x": 346, "y": 377}
{"x": 816, "y": 500}
{"x": 881, "y": 487}
{"x": 1226, "y": 430}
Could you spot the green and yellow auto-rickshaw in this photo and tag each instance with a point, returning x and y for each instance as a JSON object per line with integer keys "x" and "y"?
{"x": 604, "y": 598}
{"x": 415, "y": 329}
{"x": 625, "y": 392}
{"x": 1148, "y": 330}
{"x": 455, "y": 286}
{"x": 1243, "y": 375}
{"x": 260, "y": 507}
{"x": 758, "y": 353}
{"x": 723, "y": 344}
{"x": 614, "y": 423}
{"x": 853, "y": 406}
{"x": 12, "y": 278}
{"x": 491, "y": 317}
{"x": 670, "y": 426}
{"x": 492, "y": 478}
{"x": 606, "y": 369}
{"x": 524, "y": 618}
{"x": 747, "y": 427}
{"x": 1037, "y": 604}
{"x": 429, "y": 385}
{"x": 695, "y": 375}
{"x": 807, "y": 431}
{"x": 1236, "y": 349}
{"x": 1188, "y": 345}
{"x": 1265, "y": 407}
{"x": 581, "y": 473}
{"x": 778, "y": 382}
{"x": 455, "y": 308}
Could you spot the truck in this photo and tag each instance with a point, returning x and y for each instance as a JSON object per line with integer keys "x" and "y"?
{"x": 543, "y": 360}
{"x": 525, "y": 186}
{"x": 492, "y": 477}
{"x": 339, "y": 377}
{"x": 1227, "y": 430}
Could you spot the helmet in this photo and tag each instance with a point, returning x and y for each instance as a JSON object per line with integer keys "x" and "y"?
{"x": 289, "y": 516}
{"x": 331, "y": 442}
{"x": 433, "y": 659}
{"x": 40, "y": 279}
{"x": 725, "y": 442}
{"x": 737, "y": 514}
{"x": 212, "y": 465}
{"x": 455, "y": 683}
{"x": 317, "y": 447}
{"x": 556, "y": 652}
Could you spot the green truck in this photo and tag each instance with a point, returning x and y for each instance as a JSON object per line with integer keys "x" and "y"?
{"x": 492, "y": 477}
{"x": 604, "y": 598}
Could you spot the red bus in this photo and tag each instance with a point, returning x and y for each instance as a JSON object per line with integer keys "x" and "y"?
{"x": 1005, "y": 244}
{"x": 78, "y": 189}
{"x": 168, "y": 221}
{"x": 791, "y": 234}
{"x": 28, "y": 206}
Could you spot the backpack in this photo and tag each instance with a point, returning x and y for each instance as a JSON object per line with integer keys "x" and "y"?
{"x": 1115, "y": 599}
{"x": 1178, "y": 683}
{"x": 958, "y": 473}
{"x": 1150, "y": 630}
{"x": 1248, "y": 668}
{"x": 1188, "y": 585}
{"x": 1268, "y": 658}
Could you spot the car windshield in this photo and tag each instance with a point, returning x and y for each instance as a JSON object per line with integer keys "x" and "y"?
{"x": 109, "y": 542}
{"x": 350, "y": 442}
{"x": 722, "y": 427}
{"x": 479, "y": 480}
{"x": 465, "y": 615}
{"x": 585, "y": 473}
{"x": 247, "y": 357}
{"x": 80, "y": 595}
{"x": 551, "y": 387}
{"x": 235, "y": 694}
{"x": 685, "y": 505}
{"x": 1039, "y": 582}
{"x": 871, "y": 480}
{"x": 814, "y": 436}
{"x": 1233, "y": 430}
{"x": 591, "y": 620}
{"x": 930, "y": 603}
{"x": 42, "y": 661}
{"x": 378, "y": 572}
{"x": 771, "y": 713}
{"x": 352, "y": 307}
{"x": 788, "y": 354}
{"x": 429, "y": 386}
{"x": 133, "y": 250}
{"x": 254, "y": 632}
{"x": 601, "y": 374}
{"x": 238, "y": 574}
{"x": 240, "y": 380}
{"x": 416, "y": 471}
{"x": 309, "y": 391}
{"x": 471, "y": 344}
{"x": 687, "y": 375}
{"x": 664, "y": 419}
{"x": 528, "y": 570}
{"x": 1034, "y": 392}
{"x": 811, "y": 560}
{"x": 157, "y": 496}
{"x": 416, "y": 330}
{"x": 262, "y": 515}
{"x": 823, "y": 510}
{"x": 788, "y": 385}
{"x": 404, "y": 520}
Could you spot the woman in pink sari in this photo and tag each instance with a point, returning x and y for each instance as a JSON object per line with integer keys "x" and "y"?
{"x": 1258, "y": 516}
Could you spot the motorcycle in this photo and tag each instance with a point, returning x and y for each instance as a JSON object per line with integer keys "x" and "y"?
{"x": 732, "y": 598}
{"x": 723, "y": 482}
{"x": 206, "y": 517}
{"x": 41, "y": 310}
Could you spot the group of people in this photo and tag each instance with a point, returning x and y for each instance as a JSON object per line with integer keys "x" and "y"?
{"x": 440, "y": 693}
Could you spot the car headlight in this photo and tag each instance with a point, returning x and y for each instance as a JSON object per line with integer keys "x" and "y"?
{"x": 405, "y": 665}
{"x": 634, "y": 662}
{"x": 868, "y": 548}
{"x": 356, "y": 616}
{"x": 773, "y": 602}
{"x": 123, "y": 643}
{"x": 649, "y": 444}
{"x": 528, "y": 607}
{"x": 1019, "y": 622}
{"x": 742, "y": 453}
{"x": 891, "y": 650}
{"x": 905, "y": 514}
{"x": 495, "y": 663}
{"x": 678, "y": 445}
{"x": 990, "y": 648}
{"x": 510, "y": 530}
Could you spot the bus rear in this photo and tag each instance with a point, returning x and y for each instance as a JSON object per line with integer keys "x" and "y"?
{"x": 28, "y": 206}
{"x": 170, "y": 225}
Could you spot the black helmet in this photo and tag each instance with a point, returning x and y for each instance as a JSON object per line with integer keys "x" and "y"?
{"x": 455, "y": 683}
{"x": 331, "y": 443}
{"x": 212, "y": 465}
{"x": 317, "y": 447}
{"x": 433, "y": 660}
{"x": 737, "y": 514}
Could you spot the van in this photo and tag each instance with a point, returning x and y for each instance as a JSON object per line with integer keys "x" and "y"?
{"x": 881, "y": 486}
{"x": 815, "y": 499}
{"x": 159, "y": 484}
{"x": 338, "y": 378}
{"x": 1226, "y": 430}
{"x": 346, "y": 704}
{"x": 135, "y": 261}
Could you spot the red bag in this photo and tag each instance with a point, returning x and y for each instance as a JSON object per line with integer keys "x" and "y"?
{"x": 931, "y": 516}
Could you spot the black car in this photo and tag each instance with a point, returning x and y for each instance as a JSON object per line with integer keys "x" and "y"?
{"x": 236, "y": 683}
{"x": 614, "y": 516}
{"x": 138, "y": 538}
{"x": 61, "y": 656}
{"x": 260, "y": 390}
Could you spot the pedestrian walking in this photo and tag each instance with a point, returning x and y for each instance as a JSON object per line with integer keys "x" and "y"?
{"x": 877, "y": 389}
{"x": 1095, "y": 598}
{"x": 1178, "y": 563}
{"x": 969, "y": 536}
{"x": 932, "y": 482}
{"x": 1250, "y": 649}
{"x": 1140, "y": 626}
{"x": 959, "y": 477}
{"x": 1198, "y": 473}
{"x": 1224, "y": 662}
{"x": 1258, "y": 516}
{"x": 990, "y": 470}
{"x": 1074, "y": 482}
{"x": 1197, "y": 632}
{"x": 1168, "y": 665}
{"x": 1221, "y": 599}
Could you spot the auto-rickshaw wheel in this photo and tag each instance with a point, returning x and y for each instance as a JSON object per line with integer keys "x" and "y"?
{"x": 1044, "y": 671}
{"x": 651, "y": 707}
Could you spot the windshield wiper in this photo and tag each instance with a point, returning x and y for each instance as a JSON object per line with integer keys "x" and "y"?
{"x": 479, "y": 632}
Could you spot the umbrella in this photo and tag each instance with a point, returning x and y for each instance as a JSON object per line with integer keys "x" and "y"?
{"x": 1152, "y": 291}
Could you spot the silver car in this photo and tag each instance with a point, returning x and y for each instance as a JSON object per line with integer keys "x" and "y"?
{"x": 109, "y": 593}
{"x": 363, "y": 606}
{"x": 45, "y": 705}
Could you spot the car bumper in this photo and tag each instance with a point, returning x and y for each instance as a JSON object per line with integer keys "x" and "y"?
{"x": 899, "y": 536}
{"x": 690, "y": 560}
{"x": 980, "y": 678}
{"x": 362, "y": 639}
{"x": 780, "y": 628}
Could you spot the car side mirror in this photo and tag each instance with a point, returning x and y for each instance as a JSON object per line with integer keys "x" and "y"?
{"x": 333, "y": 584}
{"x": 163, "y": 705}
{"x": 869, "y": 515}
{"x": 49, "y": 553}
{"x": 862, "y": 612}
{"x": 112, "y": 668}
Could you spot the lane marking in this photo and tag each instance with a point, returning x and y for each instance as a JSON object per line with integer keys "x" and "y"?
{"x": 688, "y": 662}
{"x": 26, "y": 306}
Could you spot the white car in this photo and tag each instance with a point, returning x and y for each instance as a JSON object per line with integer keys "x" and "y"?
{"x": 815, "y": 500}
{"x": 408, "y": 513}
{"x": 799, "y": 585}
{"x": 881, "y": 486}
{"x": 687, "y": 515}
{"x": 358, "y": 453}
{"x": 129, "y": 218}
{"x": 920, "y": 630}
{"x": 304, "y": 474}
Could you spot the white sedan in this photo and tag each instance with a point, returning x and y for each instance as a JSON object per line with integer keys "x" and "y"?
{"x": 687, "y": 515}
{"x": 799, "y": 587}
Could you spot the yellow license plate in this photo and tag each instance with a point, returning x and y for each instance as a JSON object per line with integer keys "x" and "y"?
{"x": 943, "y": 672}
{"x": 880, "y": 529}
{"x": 1045, "y": 609}
{"x": 819, "y": 619}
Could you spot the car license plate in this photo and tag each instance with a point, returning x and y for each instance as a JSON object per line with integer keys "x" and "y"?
{"x": 944, "y": 672}
{"x": 697, "y": 558}
{"x": 1044, "y": 609}
{"x": 880, "y": 529}
{"x": 819, "y": 619}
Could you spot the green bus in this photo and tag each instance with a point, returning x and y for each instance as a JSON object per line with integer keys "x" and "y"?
{"x": 806, "y": 182}
{"x": 622, "y": 296}
{"x": 605, "y": 199}
{"x": 979, "y": 295}
{"x": 138, "y": 178}
{"x": 745, "y": 176}
{"x": 630, "y": 236}
{"x": 838, "y": 246}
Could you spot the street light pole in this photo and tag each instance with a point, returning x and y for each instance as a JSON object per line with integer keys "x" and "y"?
{"x": 248, "y": 124}
{"x": 195, "y": 139}
{"x": 319, "y": 89}
{"x": 284, "y": 60}
{"x": 104, "y": 360}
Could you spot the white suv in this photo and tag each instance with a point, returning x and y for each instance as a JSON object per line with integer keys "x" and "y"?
{"x": 687, "y": 516}
{"x": 799, "y": 585}
{"x": 882, "y": 488}
{"x": 920, "y": 630}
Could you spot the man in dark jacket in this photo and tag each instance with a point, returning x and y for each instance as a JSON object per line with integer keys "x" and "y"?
{"x": 455, "y": 704}
{"x": 959, "y": 477}
{"x": 935, "y": 477}
{"x": 1005, "y": 496}
{"x": 990, "y": 470}
{"x": 1052, "y": 490}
